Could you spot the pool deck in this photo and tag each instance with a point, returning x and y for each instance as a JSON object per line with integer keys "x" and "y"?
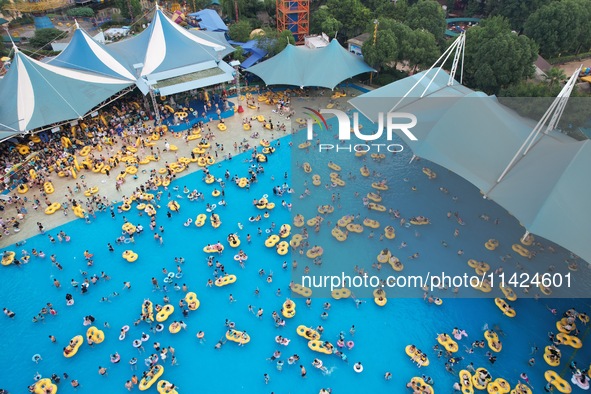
{"x": 106, "y": 185}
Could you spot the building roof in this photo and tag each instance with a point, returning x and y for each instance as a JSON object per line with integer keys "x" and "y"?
{"x": 542, "y": 64}
{"x": 317, "y": 41}
{"x": 209, "y": 20}
{"x": 302, "y": 66}
{"x": 359, "y": 40}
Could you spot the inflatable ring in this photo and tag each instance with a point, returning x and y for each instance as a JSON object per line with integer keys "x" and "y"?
{"x": 555, "y": 380}
{"x": 179, "y": 275}
{"x": 170, "y": 275}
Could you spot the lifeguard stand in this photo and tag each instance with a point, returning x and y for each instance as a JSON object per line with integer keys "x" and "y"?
{"x": 294, "y": 15}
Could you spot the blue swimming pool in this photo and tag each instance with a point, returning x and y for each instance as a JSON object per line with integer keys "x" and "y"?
{"x": 381, "y": 333}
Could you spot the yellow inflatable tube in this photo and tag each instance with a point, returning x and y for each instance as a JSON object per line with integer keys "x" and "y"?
{"x": 321, "y": 347}
{"x": 45, "y": 386}
{"x": 555, "y": 380}
{"x": 164, "y": 313}
{"x": 448, "y": 343}
{"x": 307, "y": 333}
{"x": 155, "y": 372}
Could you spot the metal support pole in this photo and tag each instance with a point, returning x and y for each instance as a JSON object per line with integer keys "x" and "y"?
{"x": 155, "y": 105}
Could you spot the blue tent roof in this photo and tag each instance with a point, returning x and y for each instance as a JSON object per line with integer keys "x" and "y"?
{"x": 86, "y": 73}
{"x": 215, "y": 37}
{"x": 302, "y": 66}
{"x": 36, "y": 94}
{"x": 85, "y": 54}
{"x": 209, "y": 20}
{"x": 250, "y": 48}
{"x": 252, "y": 59}
{"x": 165, "y": 46}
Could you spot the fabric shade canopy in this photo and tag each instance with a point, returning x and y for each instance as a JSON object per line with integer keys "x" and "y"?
{"x": 209, "y": 20}
{"x": 215, "y": 37}
{"x": 85, "y": 54}
{"x": 38, "y": 94}
{"x": 87, "y": 73}
{"x": 301, "y": 66}
{"x": 165, "y": 46}
{"x": 476, "y": 137}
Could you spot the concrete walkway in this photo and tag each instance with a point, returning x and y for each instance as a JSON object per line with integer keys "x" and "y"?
{"x": 106, "y": 185}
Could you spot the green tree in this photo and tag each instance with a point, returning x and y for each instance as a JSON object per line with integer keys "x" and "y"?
{"x": 422, "y": 51}
{"x": 395, "y": 10}
{"x": 428, "y": 15}
{"x": 240, "y": 31}
{"x": 561, "y": 27}
{"x": 85, "y": 12}
{"x": 402, "y": 32}
{"x": 352, "y": 15}
{"x": 318, "y": 17}
{"x": 43, "y": 37}
{"x": 555, "y": 76}
{"x": 271, "y": 7}
{"x": 246, "y": 8}
{"x": 274, "y": 42}
{"x": 516, "y": 11}
{"x": 238, "y": 54}
{"x": 382, "y": 52}
{"x": 474, "y": 8}
{"x": 136, "y": 8}
{"x": 495, "y": 57}
{"x": 331, "y": 26}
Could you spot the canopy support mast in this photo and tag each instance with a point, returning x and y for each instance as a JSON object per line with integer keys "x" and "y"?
{"x": 553, "y": 114}
{"x": 457, "y": 47}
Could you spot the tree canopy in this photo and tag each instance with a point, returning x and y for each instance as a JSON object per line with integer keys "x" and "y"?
{"x": 422, "y": 49}
{"x": 322, "y": 21}
{"x": 123, "y": 5}
{"x": 428, "y": 15}
{"x": 495, "y": 57}
{"x": 516, "y": 11}
{"x": 417, "y": 47}
{"x": 81, "y": 12}
{"x": 274, "y": 42}
{"x": 352, "y": 14}
{"x": 382, "y": 52}
{"x": 561, "y": 27}
{"x": 43, "y": 37}
{"x": 240, "y": 31}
